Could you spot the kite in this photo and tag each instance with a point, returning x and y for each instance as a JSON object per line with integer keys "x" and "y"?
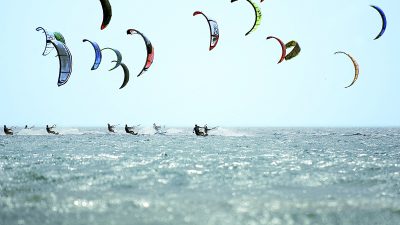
{"x": 295, "y": 51}
{"x": 149, "y": 48}
{"x": 97, "y": 52}
{"x": 107, "y": 13}
{"x": 384, "y": 22}
{"x": 356, "y": 67}
{"x": 63, "y": 53}
{"x": 258, "y": 15}
{"x": 59, "y": 37}
{"x": 119, "y": 57}
{"x": 126, "y": 75}
{"x": 282, "y": 46}
{"x": 49, "y": 36}
{"x": 214, "y": 31}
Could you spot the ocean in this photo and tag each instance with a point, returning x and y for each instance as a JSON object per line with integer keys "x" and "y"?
{"x": 235, "y": 176}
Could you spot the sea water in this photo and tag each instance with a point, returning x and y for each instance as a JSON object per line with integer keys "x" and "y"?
{"x": 246, "y": 176}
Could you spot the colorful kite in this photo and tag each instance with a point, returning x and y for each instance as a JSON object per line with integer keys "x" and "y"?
{"x": 384, "y": 22}
{"x": 63, "y": 53}
{"x": 119, "y": 57}
{"x": 282, "y": 46}
{"x": 356, "y": 67}
{"x": 258, "y": 16}
{"x": 149, "y": 48}
{"x": 295, "y": 51}
{"x": 97, "y": 52}
{"x": 107, "y": 13}
{"x": 214, "y": 31}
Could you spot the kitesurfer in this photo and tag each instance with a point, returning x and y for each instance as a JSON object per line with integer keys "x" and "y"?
{"x": 111, "y": 128}
{"x": 50, "y": 131}
{"x": 196, "y": 130}
{"x": 202, "y": 131}
{"x": 130, "y": 130}
{"x": 156, "y": 127}
{"x": 199, "y": 132}
{"x": 206, "y": 129}
{"x": 8, "y": 131}
{"x": 159, "y": 129}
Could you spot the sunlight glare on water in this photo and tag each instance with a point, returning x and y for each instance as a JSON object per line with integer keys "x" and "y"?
{"x": 276, "y": 176}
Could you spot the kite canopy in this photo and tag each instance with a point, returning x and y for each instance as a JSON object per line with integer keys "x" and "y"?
{"x": 356, "y": 67}
{"x": 49, "y": 36}
{"x": 258, "y": 16}
{"x": 149, "y": 48}
{"x": 214, "y": 31}
{"x": 107, "y": 13}
{"x": 97, "y": 52}
{"x": 384, "y": 22}
{"x": 59, "y": 37}
{"x": 63, "y": 53}
{"x": 119, "y": 57}
{"x": 295, "y": 51}
{"x": 282, "y": 46}
{"x": 65, "y": 57}
{"x": 126, "y": 75}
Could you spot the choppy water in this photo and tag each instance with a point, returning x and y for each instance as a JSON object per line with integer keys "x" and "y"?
{"x": 249, "y": 176}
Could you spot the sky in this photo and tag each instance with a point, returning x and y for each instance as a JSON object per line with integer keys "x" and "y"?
{"x": 238, "y": 83}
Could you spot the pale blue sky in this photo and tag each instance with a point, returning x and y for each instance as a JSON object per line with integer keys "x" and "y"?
{"x": 236, "y": 84}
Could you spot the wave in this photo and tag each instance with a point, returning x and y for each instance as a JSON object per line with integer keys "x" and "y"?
{"x": 229, "y": 132}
